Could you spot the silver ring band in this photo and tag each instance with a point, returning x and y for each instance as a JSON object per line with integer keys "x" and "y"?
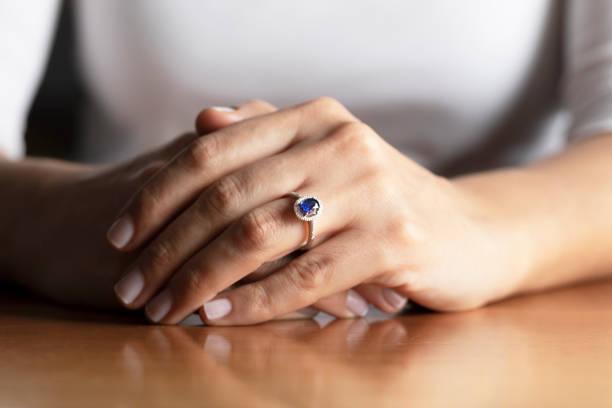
{"x": 307, "y": 208}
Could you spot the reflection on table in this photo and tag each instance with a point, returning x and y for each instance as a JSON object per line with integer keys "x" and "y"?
{"x": 546, "y": 350}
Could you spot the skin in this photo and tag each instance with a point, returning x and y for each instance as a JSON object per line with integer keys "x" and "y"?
{"x": 59, "y": 213}
{"x": 217, "y": 211}
{"x": 447, "y": 244}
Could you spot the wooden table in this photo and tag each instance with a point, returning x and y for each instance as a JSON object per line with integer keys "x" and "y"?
{"x": 553, "y": 349}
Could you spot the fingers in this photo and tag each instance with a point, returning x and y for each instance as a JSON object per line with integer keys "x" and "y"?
{"x": 388, "y": 300}
{"x": 171, "y": 149}
{"x": 268, "y": 268}
{"x": 345, "y": 305}
{"x": 216, "y": 155}
{"x": 305, "y": 313}
{"x": 328, "y": 268}
{"x": 209, "y": 120}
{"x": 218, "y": 117}
{"x": 144, "y": 166}
{"x": 356, "y": 302}
{"x": 223, "y": 203}
{"x": 215, "y": 118}
{"x": 267, "y": 232}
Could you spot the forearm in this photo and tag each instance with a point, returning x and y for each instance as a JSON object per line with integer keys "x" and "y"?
{"x": 557, "y": 214}
{"x": 26, "y": 206}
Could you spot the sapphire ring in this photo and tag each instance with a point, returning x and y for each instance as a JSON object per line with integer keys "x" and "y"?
{"x": 307, "y": 208}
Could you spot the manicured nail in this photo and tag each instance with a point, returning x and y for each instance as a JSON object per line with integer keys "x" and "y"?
{"x": 223, "y": 109}
{"x": 121, "y": 232}
{"x": 130, "y": 286}
{"x": 395, "y": 299}
{"x": 159, "y": 307}
{"x": 356, "y": 303}
{"x": 216, "y": 309}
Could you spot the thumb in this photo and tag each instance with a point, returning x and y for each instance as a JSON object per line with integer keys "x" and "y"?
{"x": 209, "y": 120}
{"x": 218, "y": 117}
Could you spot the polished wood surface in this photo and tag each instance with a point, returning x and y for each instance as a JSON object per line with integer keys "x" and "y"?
{"x": 553, "y": 349}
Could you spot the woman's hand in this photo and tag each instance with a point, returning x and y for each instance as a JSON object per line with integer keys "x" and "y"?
{"x": 61, "y": 211}
{"x": 387, "y": 222}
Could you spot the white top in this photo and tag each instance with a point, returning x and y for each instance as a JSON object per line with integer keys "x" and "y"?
{"x": 449, "y": 83}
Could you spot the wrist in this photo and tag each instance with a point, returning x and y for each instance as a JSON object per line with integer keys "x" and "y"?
{"x": 31, "y": 205}
{"x": 496, "y": 204}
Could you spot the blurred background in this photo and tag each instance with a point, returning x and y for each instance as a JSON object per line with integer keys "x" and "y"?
{"x": 53, "y": 118}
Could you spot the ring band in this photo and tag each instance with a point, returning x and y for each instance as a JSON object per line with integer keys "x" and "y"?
{"x": 307, "y": 208}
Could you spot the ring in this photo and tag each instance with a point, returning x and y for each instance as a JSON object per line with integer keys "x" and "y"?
{"x": 307, "y": 208}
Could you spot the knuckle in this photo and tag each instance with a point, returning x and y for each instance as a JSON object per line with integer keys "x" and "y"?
{"x": 347, "y": 134}
{"x": 202, "y": 152}
{"x": 259, "y": 227}
{"x": 225, "y": 195}
{"x": 403, "y": 236}
{"x": 260, "y": 105}
{"x": 147, "y": 172}
{"x": 357, "y": 137}
{"x": 144, "y": 204}
{"x": 406, "y": 232}
{"x": 159, "y": 255}
{"x": 262, "y": 304}
{"x": 194, "y": 282}
{"x": 311, "y": 273}
{"x": 178, "y": 144}
{"x": 326, "y": 105}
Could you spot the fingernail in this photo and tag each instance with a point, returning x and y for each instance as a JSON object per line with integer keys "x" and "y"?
{"x": 216, "y": 309}
{"x": 395, "y": 299}
{"x": 130, "y": 286}
{"x": 223, "y": 109}
{"x": 121, "y": 232}
{"x": 356, "y": 303}
{"x": 159, "y": 307}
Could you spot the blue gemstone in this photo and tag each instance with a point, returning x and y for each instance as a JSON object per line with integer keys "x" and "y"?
{"x": 309, "y": 206}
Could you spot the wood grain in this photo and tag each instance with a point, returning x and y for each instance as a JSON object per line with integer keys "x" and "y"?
{"x": 553, "y": 349}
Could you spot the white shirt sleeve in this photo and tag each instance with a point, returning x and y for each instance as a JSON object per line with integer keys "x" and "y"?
{"x": 588, "y": 61}
{"x": 26, "y": 28}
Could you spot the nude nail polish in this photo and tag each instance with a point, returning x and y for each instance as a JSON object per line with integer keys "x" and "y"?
{"x": 159, "y": 307}
{"x": 121, "y": 232}
{"x": 223, "y": 109}
{"x": 130, "y": 286}
{"x": 216, "y": 309}
{"x": 356, "y": 303}
{"x": 393, "y": 298}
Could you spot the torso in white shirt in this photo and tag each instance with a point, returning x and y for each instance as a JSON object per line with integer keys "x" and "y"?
{"x": 455, "y": 85}
{"x": 436, "y": 78}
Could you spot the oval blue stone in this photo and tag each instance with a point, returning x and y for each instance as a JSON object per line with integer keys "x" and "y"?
{"x": 309, "y": 206}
